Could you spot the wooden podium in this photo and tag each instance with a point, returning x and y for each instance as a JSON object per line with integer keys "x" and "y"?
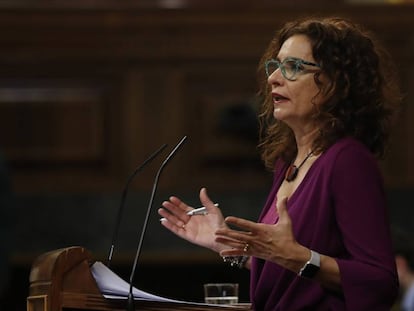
{"x": 61, "y": 280}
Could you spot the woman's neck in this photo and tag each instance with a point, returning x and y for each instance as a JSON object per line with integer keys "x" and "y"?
{"x": 304, "y": 142}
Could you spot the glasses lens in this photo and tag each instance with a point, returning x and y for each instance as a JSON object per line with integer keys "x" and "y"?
{"x": 271, "y": 66}
{"x": 290, "y": 68}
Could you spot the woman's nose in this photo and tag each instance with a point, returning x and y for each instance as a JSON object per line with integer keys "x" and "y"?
{"x": 275, "y": 77}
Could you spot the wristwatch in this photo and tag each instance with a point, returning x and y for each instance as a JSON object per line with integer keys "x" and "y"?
{"x": 312, "y": 266}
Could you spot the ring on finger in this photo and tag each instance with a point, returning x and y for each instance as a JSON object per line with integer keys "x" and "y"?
{"x": 246, "y": 247}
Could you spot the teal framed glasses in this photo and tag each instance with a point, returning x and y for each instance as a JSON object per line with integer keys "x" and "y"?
{"x": 290, "y": 67}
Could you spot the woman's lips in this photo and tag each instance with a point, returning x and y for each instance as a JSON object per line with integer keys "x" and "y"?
{"x": 277, "y": 98}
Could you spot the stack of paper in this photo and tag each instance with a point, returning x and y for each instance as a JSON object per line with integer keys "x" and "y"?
{"x": 114, "y": 287}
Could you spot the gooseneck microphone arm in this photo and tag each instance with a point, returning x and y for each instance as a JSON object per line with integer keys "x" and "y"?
{"x": 124, "y": 194}
{"x": 131, "y": 304}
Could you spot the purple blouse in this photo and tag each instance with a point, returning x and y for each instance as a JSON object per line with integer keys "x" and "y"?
{"x": 339, "y": 210}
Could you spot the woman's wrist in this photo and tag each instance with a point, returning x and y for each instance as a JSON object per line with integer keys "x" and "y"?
{"x": 295, "y": 258}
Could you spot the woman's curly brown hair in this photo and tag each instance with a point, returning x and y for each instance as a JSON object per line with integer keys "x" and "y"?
{"x": 360, "y": 97}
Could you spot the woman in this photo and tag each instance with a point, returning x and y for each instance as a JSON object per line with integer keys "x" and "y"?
{"x": 322, "y": 241}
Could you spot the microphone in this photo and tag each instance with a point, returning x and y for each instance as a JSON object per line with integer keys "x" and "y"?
{"x": 121, "y": 206}
{"x": 131, "y": 302}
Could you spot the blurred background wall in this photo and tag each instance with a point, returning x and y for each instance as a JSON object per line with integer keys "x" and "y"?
{"x": 88, "y": 89}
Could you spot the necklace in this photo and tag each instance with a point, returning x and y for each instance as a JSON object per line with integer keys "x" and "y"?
{"x": 293, "y": 170}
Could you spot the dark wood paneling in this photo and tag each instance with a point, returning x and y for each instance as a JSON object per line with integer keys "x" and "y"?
{"x": 88, "y": 91}
{"x": 49, "y": 123}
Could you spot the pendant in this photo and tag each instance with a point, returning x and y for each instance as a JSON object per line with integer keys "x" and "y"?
{"x": 291, "y": 173}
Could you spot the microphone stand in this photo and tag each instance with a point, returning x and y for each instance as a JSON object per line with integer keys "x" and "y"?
{"x": 131, "y": 302}
{"x": 124, "y": 194}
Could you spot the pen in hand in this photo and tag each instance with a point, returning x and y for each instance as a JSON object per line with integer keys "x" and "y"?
{"x": 197, "y": 211}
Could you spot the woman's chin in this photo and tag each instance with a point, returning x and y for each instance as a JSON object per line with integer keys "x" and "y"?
{"x": 277, "y": 114}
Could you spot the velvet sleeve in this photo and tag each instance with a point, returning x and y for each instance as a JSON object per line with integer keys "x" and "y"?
{"x": 368, "y": 274}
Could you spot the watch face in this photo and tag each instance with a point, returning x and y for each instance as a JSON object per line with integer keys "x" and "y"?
{"x": 309, "y": 271}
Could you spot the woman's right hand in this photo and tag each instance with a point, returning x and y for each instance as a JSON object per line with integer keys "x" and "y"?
{"x": 198, "y": 229}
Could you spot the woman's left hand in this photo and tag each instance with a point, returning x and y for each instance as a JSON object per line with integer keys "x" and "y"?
{"x": 274, "y": 243}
